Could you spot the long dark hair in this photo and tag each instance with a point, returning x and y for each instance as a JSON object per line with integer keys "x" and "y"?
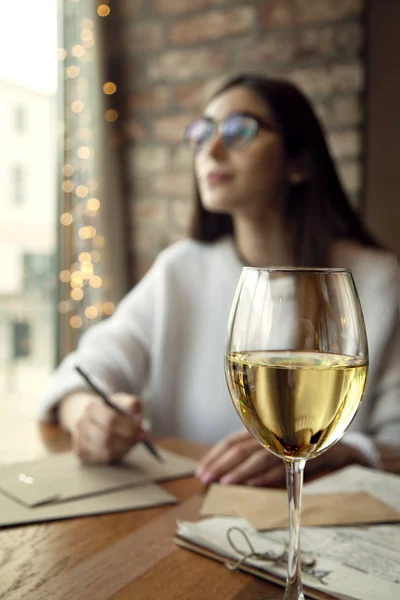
{"x": 317, "y": 211}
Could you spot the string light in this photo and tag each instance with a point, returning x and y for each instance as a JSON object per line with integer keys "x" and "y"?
{"x": 98, "y": 241}
{"x": 87, "y": 24}
{"x": 67, "y": 170}
{"x": 83, "y": 279}
{"x": 77, "y": 106}
{"x": 93, "y": 185}
{"x": 83, "y": 152}
{"x": 66, "y": 219}
{"x": 111, "y": 115}
{"x": 64, "y": 276}
{"x": 91, "y": 312}
{"x": 73, "y": 71}
{"x": 82, "y": 191}
{"x": 76, "y": 280}
{"x": 103, "y": 10}
{"x": 95, "y": 256}
{"x": 84, "y": 257}
{"x": 109, "y": 88}
{"x": 67, "y": 186}
{"x": 96, "y": 282}
{"x": 63, "y": 307}
{"x": 78, "y": 50}
{"x": 77, "y": 294}
{"x": 75, "y": 322}
{"x": 108, "y": 308}
{"x": 93, "y": 204}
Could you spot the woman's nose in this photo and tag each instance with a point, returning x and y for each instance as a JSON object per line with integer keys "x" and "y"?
{"x": 215, "y": 147}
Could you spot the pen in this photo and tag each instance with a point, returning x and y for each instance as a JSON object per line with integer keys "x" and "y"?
{"x": 149, "y": 445}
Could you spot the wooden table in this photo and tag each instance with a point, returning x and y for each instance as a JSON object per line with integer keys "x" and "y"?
{"x": 121, "y": 556}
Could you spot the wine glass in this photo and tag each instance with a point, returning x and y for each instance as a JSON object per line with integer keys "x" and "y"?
{"x": 296, "y": 367}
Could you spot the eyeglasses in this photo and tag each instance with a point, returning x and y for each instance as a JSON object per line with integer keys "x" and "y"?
{"x": 237, "y": 130}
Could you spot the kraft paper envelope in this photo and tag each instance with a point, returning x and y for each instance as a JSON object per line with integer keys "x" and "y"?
{"x": 268, "y": 509}
{"x": 61, "y": 477}
{"x": 143, "y": 496}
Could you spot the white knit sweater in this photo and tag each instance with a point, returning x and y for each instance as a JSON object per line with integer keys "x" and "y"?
{"x": 166, "y": 342}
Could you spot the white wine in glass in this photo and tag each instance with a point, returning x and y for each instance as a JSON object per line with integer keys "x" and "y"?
{"x": 296, "y": 367}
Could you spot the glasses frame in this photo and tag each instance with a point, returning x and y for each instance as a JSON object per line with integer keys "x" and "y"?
{"x": 218, "y": 127}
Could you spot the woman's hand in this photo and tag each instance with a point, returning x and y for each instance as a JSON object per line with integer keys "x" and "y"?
{"x": 239, "y": 459}
{"x": 99, "y": 434}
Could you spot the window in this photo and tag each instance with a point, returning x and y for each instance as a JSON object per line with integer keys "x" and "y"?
{"x": 39, "y": 272}
{"x": 28, "y": 202}
{"x": 18, "y": 185}
{"x": 20, "y": 119}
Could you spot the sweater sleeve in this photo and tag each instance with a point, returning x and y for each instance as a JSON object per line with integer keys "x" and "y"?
{"x": 115, "y": 351}
{"x": 385, "y": 418}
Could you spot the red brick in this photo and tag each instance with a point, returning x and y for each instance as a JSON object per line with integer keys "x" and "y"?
{"x": 140, "y": 38}
{"x": 132, "y": 129}
{"x": 177, "y": 235}
{"x": 349, "y": 39}
{"x": 154, "y": 98}
{"x": 149, "y": 241}
{"x": 196, "y": 94}
{"x": 171, "y": 128}
{"x": 345, "y": 144}
{"x": 339, "y": 77}
{"x": 127, "y": 8}
{"x": 145, "y": 212}
{"x": 325, "y": 113}
{"x": 142, "y": 265}
{"x": 288, "y": 46}
{"x": 351, "y": 176}
{"x": 213, "y": 25}
{"x": 148, "y": 159}
{"x": 284, "y": 13}
{"x": 172, "y": 185}
{"x": 185, "y": 64}
{"x": 177, "y": 7}
{"x": 181, "y": 158}
{"x": 269, "y": 49}
{"x": 348, "y": 111}
{"x": 180, "y": 212}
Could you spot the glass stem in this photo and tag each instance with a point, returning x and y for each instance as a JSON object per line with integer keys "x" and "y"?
{"x": 294, "y": 482}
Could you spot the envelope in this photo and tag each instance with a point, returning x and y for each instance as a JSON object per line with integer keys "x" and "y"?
{"x": 61, "y": 477}
{"x": 268, "y": 509}
{"x": 15, "y": 513}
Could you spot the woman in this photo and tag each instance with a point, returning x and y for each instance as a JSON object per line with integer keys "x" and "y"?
{"x": 267, "y": 194}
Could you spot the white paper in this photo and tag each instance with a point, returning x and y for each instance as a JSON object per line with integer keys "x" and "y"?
{"x": 381, "y": 485}
{"x": 357, "y": 563}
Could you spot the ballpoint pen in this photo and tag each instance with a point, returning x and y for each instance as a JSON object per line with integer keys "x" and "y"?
{"x": 107, "y": 400}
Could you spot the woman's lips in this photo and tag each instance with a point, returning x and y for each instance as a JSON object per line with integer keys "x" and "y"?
{"x": 215, "y": 178}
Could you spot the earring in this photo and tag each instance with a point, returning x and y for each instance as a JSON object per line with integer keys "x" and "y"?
{"x": 296, "y": 178}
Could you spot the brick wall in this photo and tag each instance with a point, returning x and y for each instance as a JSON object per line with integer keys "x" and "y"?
{"x": 167, "y": 55}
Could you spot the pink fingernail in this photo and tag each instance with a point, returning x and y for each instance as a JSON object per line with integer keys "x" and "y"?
{"x": 226, "y": 479}
{"x": 199, "y": 471}
{"x": 207, "y": 478}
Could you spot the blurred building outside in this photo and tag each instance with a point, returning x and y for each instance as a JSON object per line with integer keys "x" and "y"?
{"x": 27, "y": 243}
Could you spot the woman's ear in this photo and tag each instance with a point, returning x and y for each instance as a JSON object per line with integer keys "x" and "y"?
{"x": 299, "y": 170}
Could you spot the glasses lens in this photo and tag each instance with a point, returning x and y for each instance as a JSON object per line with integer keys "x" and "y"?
{"x": 239, "y": 130}
{"x": 199, "y": 132}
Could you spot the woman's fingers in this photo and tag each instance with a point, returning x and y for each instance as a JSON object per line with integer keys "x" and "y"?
{"x": 221, "y": 448}
{"x": 257, "y": 464}
{"x": 102, "y": 435}
{"x": 273, "y": 477}
{"x": 227, "y": 456}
